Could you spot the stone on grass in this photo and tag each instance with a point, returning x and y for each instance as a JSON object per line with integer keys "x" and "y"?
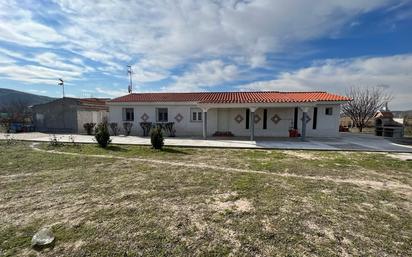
{"x": 43, "y": 237}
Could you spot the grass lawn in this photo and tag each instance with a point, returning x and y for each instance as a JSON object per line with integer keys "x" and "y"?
{"x": 204, "y": 202}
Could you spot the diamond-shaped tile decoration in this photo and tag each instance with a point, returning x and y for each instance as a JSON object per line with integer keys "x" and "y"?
{"x": 144, "y": 117}
{"x": 239, "y": 118}
{"x": 257, "y": 118}
{"x": 275, "y": 119}
{"x": 179, "y": 117}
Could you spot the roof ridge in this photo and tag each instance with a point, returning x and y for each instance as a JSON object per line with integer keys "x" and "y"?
{"x": 225, "y": 92}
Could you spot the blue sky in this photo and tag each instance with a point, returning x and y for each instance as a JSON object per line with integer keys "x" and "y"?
{"x": 198, "y": 45}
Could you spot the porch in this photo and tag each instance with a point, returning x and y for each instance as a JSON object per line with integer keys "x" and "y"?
{"x": 267, "y": 121}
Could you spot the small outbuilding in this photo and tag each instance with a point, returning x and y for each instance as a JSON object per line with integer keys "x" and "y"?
{"x": 68, "y": 115}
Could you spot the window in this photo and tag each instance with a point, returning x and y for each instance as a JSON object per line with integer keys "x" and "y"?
{"x": 196, "y": 114}
{"x": 162, "y": 115}
{"x": 128, "y": 114}
{"x": 265, "y": 118}
{"x": 329, "y": 111}
{"x": 315, "y": 117}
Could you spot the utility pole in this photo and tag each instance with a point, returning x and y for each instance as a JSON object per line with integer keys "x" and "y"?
{"x": 129, "y": 71}
{"x": 61, "y": 83}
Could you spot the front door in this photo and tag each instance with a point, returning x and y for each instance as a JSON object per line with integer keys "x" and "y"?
{"x": 223, "y": 120}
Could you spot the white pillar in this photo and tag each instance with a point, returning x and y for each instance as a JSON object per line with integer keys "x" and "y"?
{"x": 252, "y": 123}
{"x": 204, "y": 123}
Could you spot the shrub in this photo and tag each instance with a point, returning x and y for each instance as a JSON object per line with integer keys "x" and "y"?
{"x": 127, "y": 126}
{"x": 89, "y": 127}
{"x": 9, "y": 139}
{"x": 54, "y": 141}
{"x": 5, "y": 125}
{"x": 73, "y": 142}
{"x": 146, "y": 126}
{"x": 102, "y": 135}
{"x": 156, "y": 138}
{"x": 115, "y": 129}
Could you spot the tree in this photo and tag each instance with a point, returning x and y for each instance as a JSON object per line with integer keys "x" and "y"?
{"x": 366, "y": 101}
{"x": 156, "y": 138}
{"x": 102, "y": 135}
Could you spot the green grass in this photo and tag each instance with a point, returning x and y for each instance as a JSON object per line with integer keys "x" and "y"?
{"x": 123, "y": 207}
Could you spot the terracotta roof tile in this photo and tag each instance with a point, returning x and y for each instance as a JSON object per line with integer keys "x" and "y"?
{"x": 232, "y": 97}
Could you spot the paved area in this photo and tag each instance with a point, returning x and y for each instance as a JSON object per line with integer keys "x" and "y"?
{"x": 346, "y": 141}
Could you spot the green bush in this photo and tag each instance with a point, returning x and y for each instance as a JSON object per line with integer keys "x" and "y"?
{"x": 156, "y": 138}
{"x": 102, "y": 135}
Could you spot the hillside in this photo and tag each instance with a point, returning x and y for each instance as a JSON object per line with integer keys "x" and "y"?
{"x": 10, "y": 97}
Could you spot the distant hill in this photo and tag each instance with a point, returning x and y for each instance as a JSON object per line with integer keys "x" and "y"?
{"x": 10, "y": 97}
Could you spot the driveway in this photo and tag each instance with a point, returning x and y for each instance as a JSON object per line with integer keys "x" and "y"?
{"x": 346, "y": 141}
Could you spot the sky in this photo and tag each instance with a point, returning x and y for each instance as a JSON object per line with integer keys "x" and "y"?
{"x": 201, "y": 45}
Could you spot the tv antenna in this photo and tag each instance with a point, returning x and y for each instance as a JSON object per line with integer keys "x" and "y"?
{"x": 61, "y": 83}
{"x": 129, "y": 72}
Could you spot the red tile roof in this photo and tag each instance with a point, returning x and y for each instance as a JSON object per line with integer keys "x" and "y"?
{"x": 232, "y": 97}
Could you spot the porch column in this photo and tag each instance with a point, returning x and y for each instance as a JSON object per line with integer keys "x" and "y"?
{"x": 252, "y": 123}
{"x": 204, "y": 123}
{"x": 304, "y": 121}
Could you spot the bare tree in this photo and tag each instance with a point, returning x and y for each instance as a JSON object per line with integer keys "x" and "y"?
{"x": 366, "y": 101}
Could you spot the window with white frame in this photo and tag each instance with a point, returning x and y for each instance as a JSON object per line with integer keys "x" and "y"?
{"x": 128, "y": 114}
{"x": 162, "y": 115}
{"x": 196, "y": 114}
{"x": 328, "y": 111}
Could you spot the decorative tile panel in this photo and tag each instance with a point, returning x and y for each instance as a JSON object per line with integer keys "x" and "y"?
{"x": 275, "y": 119}
{"x": 179, "y": 117}
{"x": 239, "y": 118}
{"x": 144, "y": 117}
{"x": 257, "y": 118}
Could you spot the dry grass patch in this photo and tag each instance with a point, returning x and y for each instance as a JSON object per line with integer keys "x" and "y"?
{"x": 127, "y": 207}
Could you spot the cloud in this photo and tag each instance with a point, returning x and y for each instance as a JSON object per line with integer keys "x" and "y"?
{"x": 205, "y": 74}
{"x": 110, "y": 92}
{"x": 167, "y": 34}
{"x": 194, "y": 45}
{"x": 34, "y": 74}
{"x": 336, "y": 75}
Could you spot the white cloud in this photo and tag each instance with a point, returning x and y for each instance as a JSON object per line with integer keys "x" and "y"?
{"x": 335, "y": 75}
{"x": 169, "y": 33}
{"x": 161, "y": 37}
{"x": 204, "y": 74}
{"x": 36, "y": 74}
{"x": 52, "y": 60}
{"x": 110, "y": 92}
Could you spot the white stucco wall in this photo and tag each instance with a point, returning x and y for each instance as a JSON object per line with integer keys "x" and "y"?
{"x": 89, "y": 116}
{"x": 185, "y": 127}
{"x": 327, "y": 125}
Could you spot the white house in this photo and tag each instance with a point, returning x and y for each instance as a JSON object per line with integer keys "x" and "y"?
{"x": 260, "y": 114}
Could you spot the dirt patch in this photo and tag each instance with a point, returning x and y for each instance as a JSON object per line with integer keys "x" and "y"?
{"x": 222, "y": 203}
{"x": 305, "y": 155}
{"x": 395, "y": 186}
